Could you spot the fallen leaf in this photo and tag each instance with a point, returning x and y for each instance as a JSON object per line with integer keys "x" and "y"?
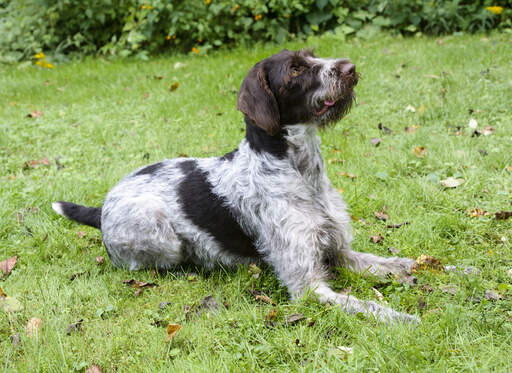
{"x": 139, "y": 284}
{"x": 426, "y": 288}
{"x": 10, "y": 304}
{"x": 15, "y": 339}
{"x": 378, "y": 294}
{"x": 478, "y": 212}
{"x": 488, "y": 131}
{"x": 93, "y": 369}
{"x": 294, "y": 318}
{"x": 147, "y": 95}
{"x": 100, "y": 260}
{"x": 172, "y": 329}
{"x": 427, "y": 262}
{"x": 473, "y": 123}
{"x": 344, "y": 351}
{"x": 420, "y": 151}
{"x": 440, "y": 41}
{"x": 381, "y": 215}
{"x": 346, "y": 174}
{"x": 74, "y": 327}
{"x": 158, "y": 77}
{"x": 259, "y": 296}
{"x": 450, "y": 289}
{"x": 174, "y": 87}
{"x": 35, "y": 114}
{"x": 375, "y": 141}
{"x": 164, "y": 304}
{"x": 509, "y": 273}
{"x": 2, "y": 294}
{"x": 509, "y": 168}
{"x": 80, "y": 234}
{"x": 396, "y": 226}
{"x": 138, "y": 292}
{"x": 385, "y": 129}
{"x": 179, "y": 65}
{"x": 34, "y": 326}
{"x": 77, "y": 274}
{"x": 452, "y": 182}
{"x": 272, "y": 315}
{"x": 377, "y": 238}
{"x": 503, "y": 215}
{"x": 209, "y": 303}
{"x": 421, "y": 303}
{"x": 411, "y": 129}
{"x": 8, "y": 264}
{"x": 394, "y": 250}
{"x": 491, "y": 295}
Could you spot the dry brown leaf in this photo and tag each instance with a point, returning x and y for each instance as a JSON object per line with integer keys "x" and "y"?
{"x": 80, "y": 234}
{"x": 381, "y": 215}
{"x": 172, "y": 329}
{"x": 35, "y": 114}
{"x": 34, "y": 326}
{"x": 100, "y": 260}
{"x": 294, "y": 319}
{"x": 377, "y": 238}
{"x": 375, "y": 141}
{"x": 478, "y": 212}
{"x": 139, "y": 284}
{"x": 450, "y": 289}
{"x": 411, "y": 129}
{"x": 8, "y": 264}
{"x": 503, "y": 215}
{"x": 74, "y": 327}
{"x": 427, "y": 262}
{"x": 2, "y": 294}
{"x": 174, "y": 87}
{"x": 93, "y": 369}
{"x": 491, "y": 295}
{"x": 420, "y": 151}
{"x": 379, "y": 295}
{"x": 396, "y": 226}
{"x": 272, "y": 315}
{"x": 45, "y": 161}
{"x": 452, "y": 182}
{"x": 158, "y": 77}
{"x": 346, "y": 174}
{"x": 487, "y": 131}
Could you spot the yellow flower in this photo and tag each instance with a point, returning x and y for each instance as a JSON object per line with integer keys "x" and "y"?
{"x": 207, "y": 2}
{"x": 150, "y": 7}
{"x": 287, "y": 15}
{"x": 495, "y": 9}
{"x": 39, "y": 55}
{"x": 48, "y": 66}
{"x": 39, "y": 63}
{"x": 143, "y": 7}
{"x": 200, "y": 40}
{"x": 168, "y": 37}
{"x": 258, "y": 17}
{"x": 195, "y": 50}
{"x": 235, "y": 8}
{"x": 174, "y": 36}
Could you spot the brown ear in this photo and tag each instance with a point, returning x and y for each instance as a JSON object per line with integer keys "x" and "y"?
{"x": 257, "y": 102}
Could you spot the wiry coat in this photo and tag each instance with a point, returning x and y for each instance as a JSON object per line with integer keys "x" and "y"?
{"x": 269, "y": 200}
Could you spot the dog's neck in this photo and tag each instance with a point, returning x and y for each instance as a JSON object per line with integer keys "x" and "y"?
{"x": 297, "y": 143}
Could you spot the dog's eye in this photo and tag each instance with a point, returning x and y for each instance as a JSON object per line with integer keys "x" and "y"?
{"x": 296, "y": 71}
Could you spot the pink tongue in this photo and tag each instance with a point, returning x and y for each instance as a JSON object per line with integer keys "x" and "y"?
{"x": 329, "y": 103}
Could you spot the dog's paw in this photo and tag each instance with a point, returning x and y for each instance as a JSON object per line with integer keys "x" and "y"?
{"x": 389, "y": 315}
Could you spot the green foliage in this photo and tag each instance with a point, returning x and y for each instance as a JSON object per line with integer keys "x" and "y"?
{"x": 138, "y": 27}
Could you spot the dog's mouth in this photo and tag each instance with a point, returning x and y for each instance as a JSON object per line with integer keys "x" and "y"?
{"x": 326, "y": 105}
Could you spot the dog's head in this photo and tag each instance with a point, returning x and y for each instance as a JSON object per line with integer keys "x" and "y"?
{"x": 296, "y": 87}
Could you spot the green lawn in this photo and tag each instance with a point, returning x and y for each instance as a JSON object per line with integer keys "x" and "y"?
{"x": 102, "y": 119}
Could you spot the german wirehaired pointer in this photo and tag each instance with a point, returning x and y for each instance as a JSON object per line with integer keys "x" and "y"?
{"x": 269, "y": 199}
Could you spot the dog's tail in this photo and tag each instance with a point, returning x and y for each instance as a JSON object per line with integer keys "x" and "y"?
{"x": 85, "y": 215}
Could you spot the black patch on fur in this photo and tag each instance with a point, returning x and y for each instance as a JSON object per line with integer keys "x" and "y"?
{"x": 260, "y": 141}
{"x": 85, "y": 215}
{"x": 229, "y": 156}
{"x": 150, "y": 170}
{"x": 209, "y": 212}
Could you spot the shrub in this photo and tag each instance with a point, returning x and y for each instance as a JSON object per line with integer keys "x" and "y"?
{"x": 137, "y": 27}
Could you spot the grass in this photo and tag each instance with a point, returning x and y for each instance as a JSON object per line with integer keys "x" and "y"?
{"x": 105, "y": 118}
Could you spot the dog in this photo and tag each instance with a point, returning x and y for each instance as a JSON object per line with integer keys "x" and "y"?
{"x": 269, "y": 200}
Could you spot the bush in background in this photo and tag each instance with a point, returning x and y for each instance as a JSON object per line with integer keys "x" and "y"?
{"x": 137, "y": 27}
